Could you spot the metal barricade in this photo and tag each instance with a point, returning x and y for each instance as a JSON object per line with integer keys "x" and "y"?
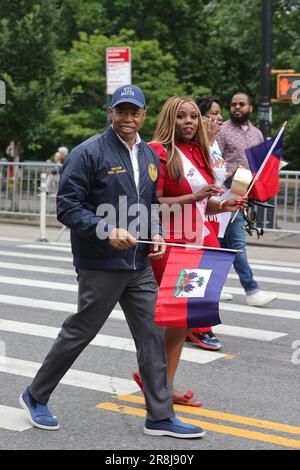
{"x": 285, "y": 217}
{"x": 20, "y": 194}
{"x": 20, "y": 188}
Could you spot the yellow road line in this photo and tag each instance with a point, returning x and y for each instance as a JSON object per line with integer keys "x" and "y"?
{"x": 256, "y": 436}
{"x": 259, "y": 423}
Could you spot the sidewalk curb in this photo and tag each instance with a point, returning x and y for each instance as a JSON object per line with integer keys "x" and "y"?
{"x": 274, "y": 245}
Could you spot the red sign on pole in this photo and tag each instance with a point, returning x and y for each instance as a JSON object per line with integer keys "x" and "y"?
{"x": 288, "y": 85}
{"x": 118, "y": 68}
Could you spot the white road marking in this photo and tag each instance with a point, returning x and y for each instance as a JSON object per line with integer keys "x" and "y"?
{"x": 73, "y": 287}
{"x": 280, "y": 295}
{"x": 48, "y": 247}
{"x": 38, "y": 269}
{"x": 248, "y": 333}
{"x": 36, "y": 283}
{"x": 263, "y": 265}
{"x": 270, "y": 280}
{"x": 72, "y": 308}
{"x": 13, "y": 419}
{"x": 71, "y": 272}
{"x": 74, "y": 377}
{"x": 268, "y": 312}
{"x": 275, "y": 268}
{"x": 21, "y": 254}
{"x": 271, "y": 262}
{"x": 113, "y": 342}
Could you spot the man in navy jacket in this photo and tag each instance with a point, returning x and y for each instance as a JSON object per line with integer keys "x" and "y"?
{"x": 107, "y": 198}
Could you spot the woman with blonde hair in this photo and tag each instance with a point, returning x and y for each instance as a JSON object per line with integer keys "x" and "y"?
{"x": 186, "y": 179}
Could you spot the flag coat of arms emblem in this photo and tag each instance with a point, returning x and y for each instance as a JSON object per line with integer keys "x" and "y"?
{"x": 190, "y": 289}
{"x": 192, "y": 282}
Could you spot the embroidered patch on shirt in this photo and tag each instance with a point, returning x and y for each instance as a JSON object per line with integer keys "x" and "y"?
{"x": 152, "y": 170}
{"x": 115, "y": 170}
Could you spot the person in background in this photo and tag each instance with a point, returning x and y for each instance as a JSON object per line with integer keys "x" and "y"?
{"x": 64, "y": 152}
{"x": 235, "y": 136}
{"x": 12, "y": 155}
{"x": 52, "y": 179}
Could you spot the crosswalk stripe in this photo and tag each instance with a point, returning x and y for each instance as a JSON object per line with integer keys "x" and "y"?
{"x": 278, "y": 263}
{"x": 40, "y": 284}
{"x": 247, "y": 333}
{"x": 71, "y": 272}
{"x": 48, "y": 247}
{"x": 228, "y": 330}
{"x": 37, "y": 269}
{"x": 270, "y": 280}
{"x": 258, "y": 265}
{"x": 13, "y": 419}
{"x": 275, "y": 268}
{"x": 268, "y": 312}
{"x": 280, "y": 295}
{"x": 72, "y": 308}
{"x": 73, "y": 287}
{"x": 74, "y": 377}
{"x": 118, "y": 315}
{"x": 38, "y": 303}
{"x": 113, "y": 342}
{"x": 21, "y": 254}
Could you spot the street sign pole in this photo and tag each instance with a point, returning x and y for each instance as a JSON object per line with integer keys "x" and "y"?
{"x": 118, "y": 70}
{"x": 265, "y": 110}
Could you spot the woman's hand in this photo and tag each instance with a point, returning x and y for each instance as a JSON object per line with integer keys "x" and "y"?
{"x": 211, "y": 128}
{"x": 207, "y": 191}
{"x": 233, "y": 205}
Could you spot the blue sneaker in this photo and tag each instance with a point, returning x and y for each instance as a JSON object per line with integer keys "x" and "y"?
{"x": 172, "y": 427}
{"x": 39, "y": 414}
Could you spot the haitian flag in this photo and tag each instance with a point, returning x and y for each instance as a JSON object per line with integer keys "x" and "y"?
{"x": 190, "y": 289}
{"x": 267, "y": 184}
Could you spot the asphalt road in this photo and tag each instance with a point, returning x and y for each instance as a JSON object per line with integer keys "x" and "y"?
{"x": 249, "y": 390}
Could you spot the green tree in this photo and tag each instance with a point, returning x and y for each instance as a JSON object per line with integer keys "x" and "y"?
{"x": 82, "y": 104}
{"x": 178, "y": 25}
{"x": 194, "y": 47}
{"x": 77, "y": 16}
{"x": 27, "y": 51}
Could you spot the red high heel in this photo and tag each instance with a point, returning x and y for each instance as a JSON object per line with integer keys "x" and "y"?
{"x": 181, "y": 400}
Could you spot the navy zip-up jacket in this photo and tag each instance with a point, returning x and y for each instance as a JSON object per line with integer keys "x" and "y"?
{"x": 98, "y": 172}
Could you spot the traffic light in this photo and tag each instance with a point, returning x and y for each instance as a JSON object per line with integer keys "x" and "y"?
{"x": 288, "y": 86}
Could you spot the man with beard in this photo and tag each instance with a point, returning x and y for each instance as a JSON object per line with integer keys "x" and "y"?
{"x": 236, "y": 135}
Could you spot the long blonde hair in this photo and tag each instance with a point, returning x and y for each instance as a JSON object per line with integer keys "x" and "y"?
{"x": 165, "y": 135}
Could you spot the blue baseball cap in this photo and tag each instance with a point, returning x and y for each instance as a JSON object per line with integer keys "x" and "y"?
{"x": 128, "y": 94}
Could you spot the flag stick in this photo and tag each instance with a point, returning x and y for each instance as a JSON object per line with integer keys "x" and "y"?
{"x": 263, "y": 164}
{"x": 183, "y": 245}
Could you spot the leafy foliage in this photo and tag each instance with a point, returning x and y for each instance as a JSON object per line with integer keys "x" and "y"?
{"x": 28, "y": 68}
{"x": 53, "y": 61}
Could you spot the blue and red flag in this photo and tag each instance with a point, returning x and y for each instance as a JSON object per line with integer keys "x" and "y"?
{"x": 267, "y": 184}
{"x": 190, "y": 289}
